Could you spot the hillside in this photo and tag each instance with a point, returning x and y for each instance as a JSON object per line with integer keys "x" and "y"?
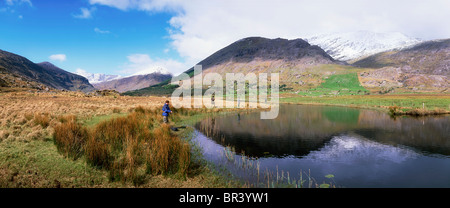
{"x": 133, "y": 82}
{"x": 13, "y": 65}
{"x": 423, "y": 67}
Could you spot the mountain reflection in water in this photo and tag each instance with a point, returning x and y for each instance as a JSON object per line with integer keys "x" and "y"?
{"x": 363, "y": 148}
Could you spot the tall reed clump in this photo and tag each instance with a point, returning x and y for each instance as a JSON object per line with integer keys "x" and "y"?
{"x": 167, "y": 154}
{"x": 42, "y": 119}
{"x": 70, "y": 137}
{"x": 118, "y": 145}
{"x": 130, "y": 147}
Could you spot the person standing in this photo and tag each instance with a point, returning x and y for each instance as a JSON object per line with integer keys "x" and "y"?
{"x": 166, "y": 111}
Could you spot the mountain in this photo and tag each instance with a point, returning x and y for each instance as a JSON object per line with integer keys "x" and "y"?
{"x": 354, "y": 45}
{"x": 252, "y": 49}
{"x": 133, "y": 82}
{"x": 97, "y": 77}
{"x": 72, "y": 82}
{"x": 44, "y": 73}
{"x": 293, "y": 59}
{"x": 425, "y": 66}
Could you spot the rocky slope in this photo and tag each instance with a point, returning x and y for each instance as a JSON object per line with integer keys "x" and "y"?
{"x": 354, "y": 45}
{"x": 422, "y": 67}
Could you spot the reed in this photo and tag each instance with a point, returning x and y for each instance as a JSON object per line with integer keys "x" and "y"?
{"x": 277, "y": 178}
{"x": 69, "y": 138}
{"x": 167, "y": 154}
{"x": 128, "y": 147}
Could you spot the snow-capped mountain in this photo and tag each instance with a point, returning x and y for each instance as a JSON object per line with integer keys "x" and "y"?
{"x": 96, "y": 78}
{"x": 151, "y": 70}
{"x": 354, "y": 45}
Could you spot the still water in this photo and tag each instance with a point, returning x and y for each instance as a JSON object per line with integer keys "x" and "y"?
{"x": 352, "y": 147}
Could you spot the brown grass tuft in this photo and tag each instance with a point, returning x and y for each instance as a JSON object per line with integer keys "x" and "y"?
{"x": 69, "y": 138}
{"x": 42, "y": 119}
{"x": 167, "y": 153}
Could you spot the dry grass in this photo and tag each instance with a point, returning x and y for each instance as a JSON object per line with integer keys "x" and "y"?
{"x": 26, "y": 116}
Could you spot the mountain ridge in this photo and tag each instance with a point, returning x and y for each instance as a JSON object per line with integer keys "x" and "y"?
{"x": 251, "y": 48}
{"x": 45, "y": 73}
{"x": 94, "y": 78}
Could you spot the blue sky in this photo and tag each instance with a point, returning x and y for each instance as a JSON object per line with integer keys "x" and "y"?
{"x": 133, "y": 36}
{"x": 98, "y": 44}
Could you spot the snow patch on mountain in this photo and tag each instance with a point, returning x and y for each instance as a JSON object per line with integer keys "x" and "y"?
{"x": 96, "y": 77}
{"x": 151, "y": 70}
{"x": 353, "y": 45}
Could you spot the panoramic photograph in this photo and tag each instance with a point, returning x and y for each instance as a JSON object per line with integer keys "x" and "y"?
{"x": 197, "y": 98}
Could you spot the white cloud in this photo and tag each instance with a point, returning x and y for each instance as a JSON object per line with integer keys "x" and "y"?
{"x": 85, "y": 13}
{"x": 14, "y": 2}
{"x": 83, "y": 73}
{"x": 58, "y": 57}
{"x": 142, "y": 64}
{"x": 198, "y": 28}
{"x": 99, "y": 31}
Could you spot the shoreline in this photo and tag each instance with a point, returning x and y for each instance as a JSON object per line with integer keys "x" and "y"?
{"x": 377, "y": 102}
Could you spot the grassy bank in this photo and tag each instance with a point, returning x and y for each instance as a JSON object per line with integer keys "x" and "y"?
{"x": 97, "y": 142}
{"x": 426, "y": 104}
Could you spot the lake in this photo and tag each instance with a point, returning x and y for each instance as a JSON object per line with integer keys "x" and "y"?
{"x": 309, "y": 145}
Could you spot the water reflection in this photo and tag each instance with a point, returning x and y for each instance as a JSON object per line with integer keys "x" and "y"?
{"x": 300, "y": 129}
{"x": 362, "y": 148}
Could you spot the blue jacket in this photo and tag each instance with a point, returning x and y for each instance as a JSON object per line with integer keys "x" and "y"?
{"x": 166, "y": 110}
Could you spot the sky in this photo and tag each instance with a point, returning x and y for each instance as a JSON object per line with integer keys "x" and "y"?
{"x": 126, "y": 37}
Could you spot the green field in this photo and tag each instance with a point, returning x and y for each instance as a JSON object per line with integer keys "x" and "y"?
{"x": 338, "y": 84}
